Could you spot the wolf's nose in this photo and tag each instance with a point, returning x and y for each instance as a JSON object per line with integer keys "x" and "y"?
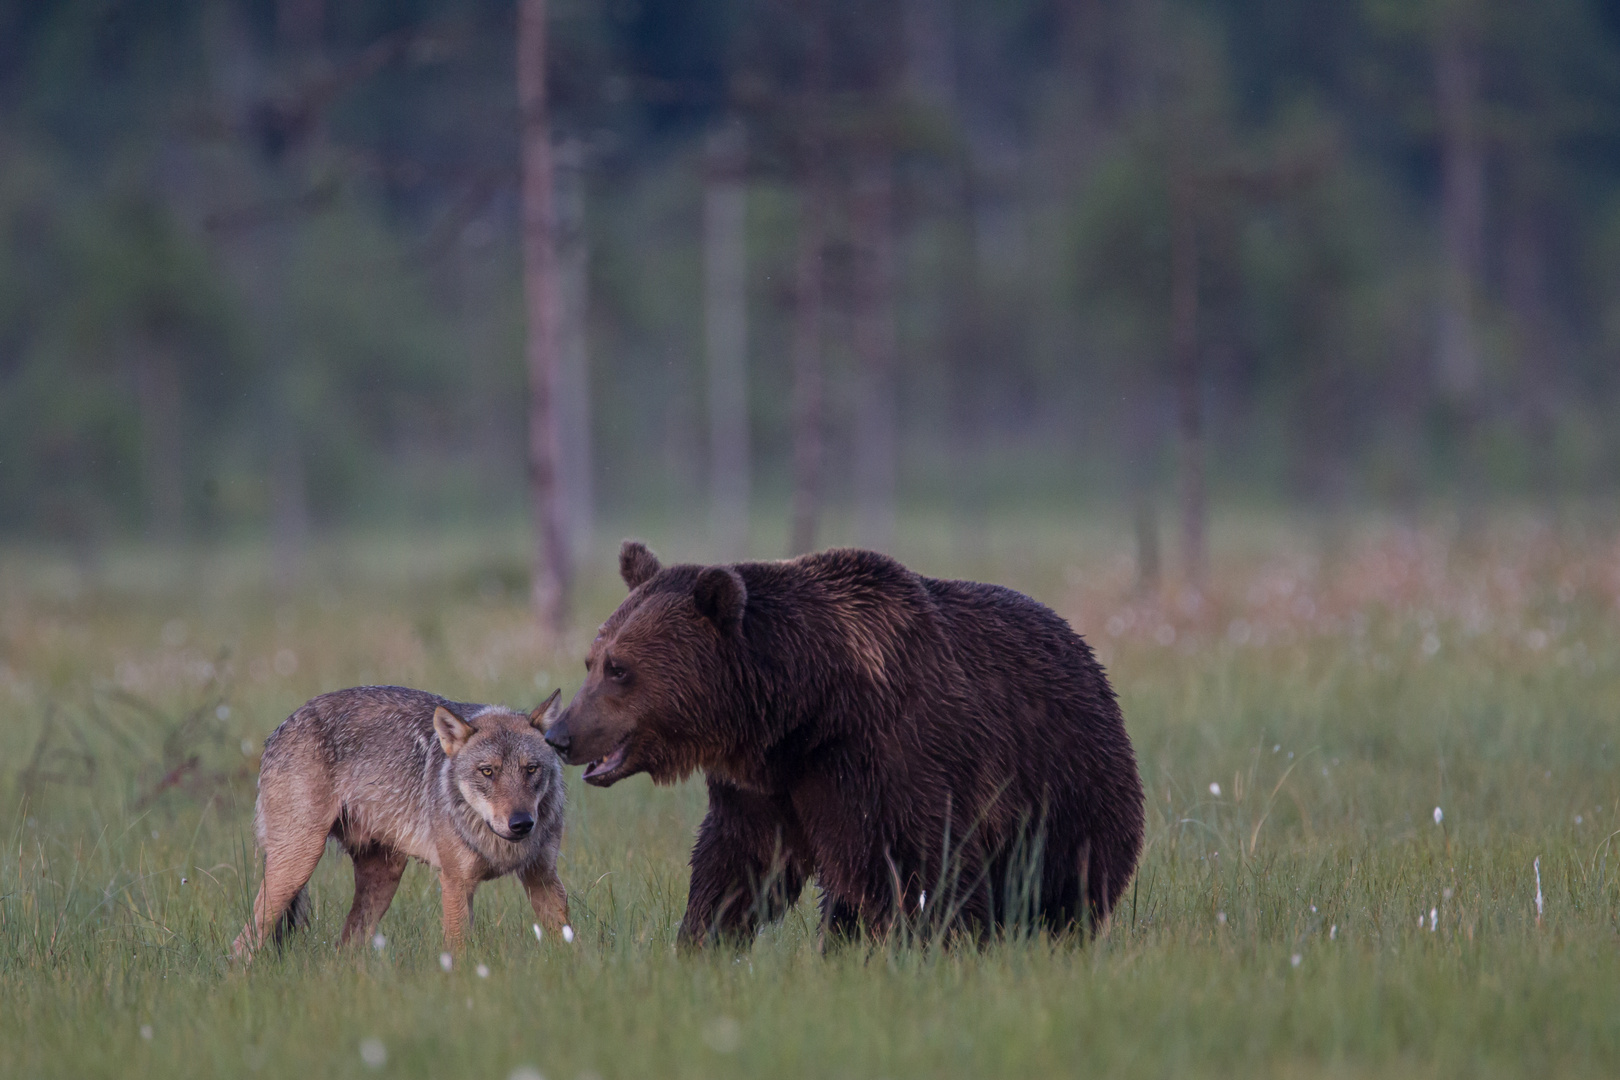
{"x": 519, "y": 824}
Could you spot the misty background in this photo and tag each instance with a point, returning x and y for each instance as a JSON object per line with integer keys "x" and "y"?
{"x": 261, "y": 270}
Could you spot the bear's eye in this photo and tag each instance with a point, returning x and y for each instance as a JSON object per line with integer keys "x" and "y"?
{"x": 486, "y": 770}
{"x": 614, "y": 671}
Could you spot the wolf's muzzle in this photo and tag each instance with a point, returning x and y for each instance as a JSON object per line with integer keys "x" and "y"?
{"x": 520, "y": 824}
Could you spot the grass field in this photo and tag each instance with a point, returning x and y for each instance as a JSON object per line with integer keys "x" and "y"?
{"x": 1357, "y": 744}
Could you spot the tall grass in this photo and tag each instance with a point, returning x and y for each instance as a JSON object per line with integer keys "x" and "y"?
{"x": 1299, "y": 910}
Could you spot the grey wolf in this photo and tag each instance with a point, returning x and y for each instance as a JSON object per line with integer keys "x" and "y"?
{"x": 393, "y": 774}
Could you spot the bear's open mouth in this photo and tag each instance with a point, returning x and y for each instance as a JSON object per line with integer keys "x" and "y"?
{"x": 601, "y": 771}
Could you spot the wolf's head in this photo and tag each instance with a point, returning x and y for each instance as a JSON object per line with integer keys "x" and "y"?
{"x": 500, "y": 764}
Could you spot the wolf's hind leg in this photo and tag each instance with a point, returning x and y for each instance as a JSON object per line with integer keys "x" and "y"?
{"x": 289, "y": 862}
{"x": 548, "y": 896}
{"x": 377, "y": 871}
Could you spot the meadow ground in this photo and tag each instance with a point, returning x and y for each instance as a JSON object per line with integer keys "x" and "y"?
{"x": 1359, "y": 745}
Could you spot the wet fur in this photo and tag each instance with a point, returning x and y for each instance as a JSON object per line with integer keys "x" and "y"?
{"x": 367, "y": 768}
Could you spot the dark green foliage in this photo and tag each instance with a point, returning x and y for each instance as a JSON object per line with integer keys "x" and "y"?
{"x": 312, "y": 234}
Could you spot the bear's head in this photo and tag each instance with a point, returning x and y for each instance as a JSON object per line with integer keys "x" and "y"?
{"x": 660, "y": 679}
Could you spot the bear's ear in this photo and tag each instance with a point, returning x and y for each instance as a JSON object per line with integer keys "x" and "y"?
{"x": 546, "y": 715}
{"x": 637, "y": 563}
{"x": 452, "y": 730}
{"x": 721, "y": 596}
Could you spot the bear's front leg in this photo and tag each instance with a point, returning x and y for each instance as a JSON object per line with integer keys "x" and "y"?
{"x": 745, "y": 870}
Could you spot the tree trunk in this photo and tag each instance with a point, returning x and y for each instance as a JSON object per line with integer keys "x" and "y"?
{"x": 725, "y": 317}
{"x": 928, "y": 38}
{"x": 299, "y": 23}
{"x": 1525, "y": 287}
{"x": 289, "y": 503}
{"x": 876, "y": 441}
{"x": 549, "y": 587}
{"x": 807, "y": 389}
{"x": 1462, "y": 206}
{"x": 1184, "y": 346}
{"x": 578, "y": 495}
{"x": 157, "y": 395}
{"x": 1147, "y": 546}
{"x": 807, "y": 380}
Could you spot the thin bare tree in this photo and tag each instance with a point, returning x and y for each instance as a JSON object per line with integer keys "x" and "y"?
{"x": 1188, "y": 369}
{"x": 876, "y": 438}
{"x": 725, "y": 318}
{"x": 551, "y": 575}
{"x": 808, "y": 422}
{"x": 1457, "y": 60}
{"x": 158, "y": 396}
{"x": 573, "y": 388}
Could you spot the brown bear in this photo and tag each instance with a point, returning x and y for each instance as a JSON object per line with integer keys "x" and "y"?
{"x": 945, "y": 749}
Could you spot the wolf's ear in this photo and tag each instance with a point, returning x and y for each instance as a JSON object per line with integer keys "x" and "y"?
{"x": 720, "y": 596}
{"x": 546, "y": 715}
{"x": 452, "y": 730}
{"x": 637, "y": 563}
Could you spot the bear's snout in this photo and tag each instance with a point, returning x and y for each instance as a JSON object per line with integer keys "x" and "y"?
{"x": 559, "y": 738}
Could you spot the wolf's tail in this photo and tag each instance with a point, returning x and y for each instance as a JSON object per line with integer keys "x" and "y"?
{"x": 296, "y": 917}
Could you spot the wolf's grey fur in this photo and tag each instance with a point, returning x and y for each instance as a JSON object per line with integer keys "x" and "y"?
{"x": 391, "y": 774}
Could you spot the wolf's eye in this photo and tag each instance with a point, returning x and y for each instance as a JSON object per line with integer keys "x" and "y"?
{"x": 530, "y": 768}
{"x": 486, "y": 770}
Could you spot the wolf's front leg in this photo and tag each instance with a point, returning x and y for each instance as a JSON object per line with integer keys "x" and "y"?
{"x": 548, "y": 896}
{"x": 742, "y": 871}
{"x": 456, "y": 893}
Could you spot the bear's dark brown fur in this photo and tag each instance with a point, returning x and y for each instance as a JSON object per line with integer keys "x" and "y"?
{"x": 945, "y": 745}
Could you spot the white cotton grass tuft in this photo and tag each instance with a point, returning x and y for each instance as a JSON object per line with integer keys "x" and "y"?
{"x": 1539, "y": 905}
{"x": 1333, "y": 932}
{"x": 922, "y": 899}
{"x": 1434, "y": 919}
{"x": 379, "y": 942}
{"x": 525, "y": 1072}
{"x": 482, "y": 970}
{"x": 445, "y": 961}
{"x": 1296, "y": 960}
{"x": 1220, "y": 917}
{"x": 373, "y": 1053}
{"x": 1439, "y": 815}
{"x": 568, "y": 933}
{"x": 1215, "y": 790}
{"x": 146, "y": 1032}
{"x": 723, "y": 1034}
{"x": 538, "y": 936}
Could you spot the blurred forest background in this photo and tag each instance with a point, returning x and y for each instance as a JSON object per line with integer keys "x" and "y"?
{"x": 261, "y": 269}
